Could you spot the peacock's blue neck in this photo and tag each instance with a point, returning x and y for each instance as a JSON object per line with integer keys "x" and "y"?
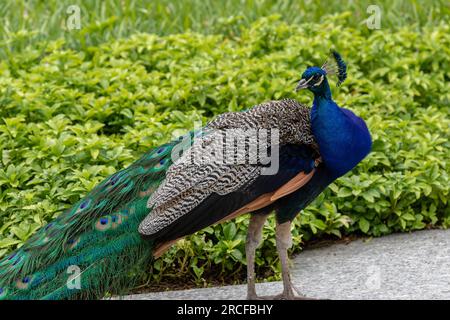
{"x": 323, "y": 94}
{"x": 343, "y": 137}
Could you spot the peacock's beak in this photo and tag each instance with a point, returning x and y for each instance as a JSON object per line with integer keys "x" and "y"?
{"x": 302, "y": 84}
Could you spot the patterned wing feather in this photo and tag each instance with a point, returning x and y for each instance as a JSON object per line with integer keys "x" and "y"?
{"x": 192, "y": 178}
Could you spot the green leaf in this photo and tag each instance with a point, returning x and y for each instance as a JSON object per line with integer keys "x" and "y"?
{"x": 237, "y": 254}
{"x": 344, "y": 192}
{"x": 6, "y": 242}
{"x": 197, "y": 271}
{"x": 408, "y": 217}
{"x": 364, "y": 225}
{"x": 229, "y": 231}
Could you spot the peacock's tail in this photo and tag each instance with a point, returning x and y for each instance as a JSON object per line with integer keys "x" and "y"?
{"x": 94, "y": 247}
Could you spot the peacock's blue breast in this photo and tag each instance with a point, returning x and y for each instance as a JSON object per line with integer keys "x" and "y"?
{"x": 343, "y": 138}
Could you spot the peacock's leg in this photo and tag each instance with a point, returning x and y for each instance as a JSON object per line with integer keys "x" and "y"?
{"x": 284, "y": 242}
{"x": 254, "y": 236}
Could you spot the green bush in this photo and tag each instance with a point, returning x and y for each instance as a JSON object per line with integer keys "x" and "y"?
{"x": 70, "y": 118}
{"x": 31, "y": 21}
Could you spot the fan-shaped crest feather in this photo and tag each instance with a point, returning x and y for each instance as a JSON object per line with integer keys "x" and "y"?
{"x": 336, "y": 65}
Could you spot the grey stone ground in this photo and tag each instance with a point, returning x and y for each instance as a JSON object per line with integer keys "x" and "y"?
{"x": 399, "y": 266}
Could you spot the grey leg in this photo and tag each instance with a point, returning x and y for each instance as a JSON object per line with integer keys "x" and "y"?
{"x": 254, "y": 236}
{"x": 284, "y": 242}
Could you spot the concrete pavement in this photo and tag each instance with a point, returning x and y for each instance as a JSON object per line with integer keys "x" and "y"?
{"x": 399, "y": 266}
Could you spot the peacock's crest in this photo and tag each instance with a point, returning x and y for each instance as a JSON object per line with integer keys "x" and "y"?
{"x": 336, "y": 65}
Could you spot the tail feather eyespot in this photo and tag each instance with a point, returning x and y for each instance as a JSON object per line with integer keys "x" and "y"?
{"x": 159, "y": 152}
{"x": 116, "y": 220}
{"x": 24, "y": 283}
{"x": 84, "y": 205}
{"x": 72, "y": 243}
{"x": 161, "y": 164}
{"x": 3, "y": 293}
{"x": 103, "y": 224}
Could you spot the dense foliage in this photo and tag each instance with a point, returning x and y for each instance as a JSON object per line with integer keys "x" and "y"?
{"x": 70, "y": 118}
{"x": 27, "y": 22}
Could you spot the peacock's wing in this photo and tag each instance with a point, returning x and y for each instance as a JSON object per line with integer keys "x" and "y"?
{"x": 296, "y": 167}
{"x": 201, "y": 188}
{"x": 202, "y": 165}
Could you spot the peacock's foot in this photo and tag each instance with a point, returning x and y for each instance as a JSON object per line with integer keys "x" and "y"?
{"x": 292, "y": 294}
{"x": 285, "y": 296}
{"x": 254, "y": 297}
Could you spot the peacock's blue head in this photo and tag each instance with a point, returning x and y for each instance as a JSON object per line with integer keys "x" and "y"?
{"x": 315, "y": 78}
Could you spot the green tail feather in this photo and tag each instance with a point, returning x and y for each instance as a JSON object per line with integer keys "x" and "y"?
{"x": 94, "y": 247}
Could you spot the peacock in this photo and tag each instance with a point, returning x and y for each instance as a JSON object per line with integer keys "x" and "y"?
{"x": 102, "y": 243}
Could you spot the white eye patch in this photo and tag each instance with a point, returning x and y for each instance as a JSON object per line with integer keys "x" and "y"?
{"x": 307, "y": 81}
{"x": 320, "y": 81}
